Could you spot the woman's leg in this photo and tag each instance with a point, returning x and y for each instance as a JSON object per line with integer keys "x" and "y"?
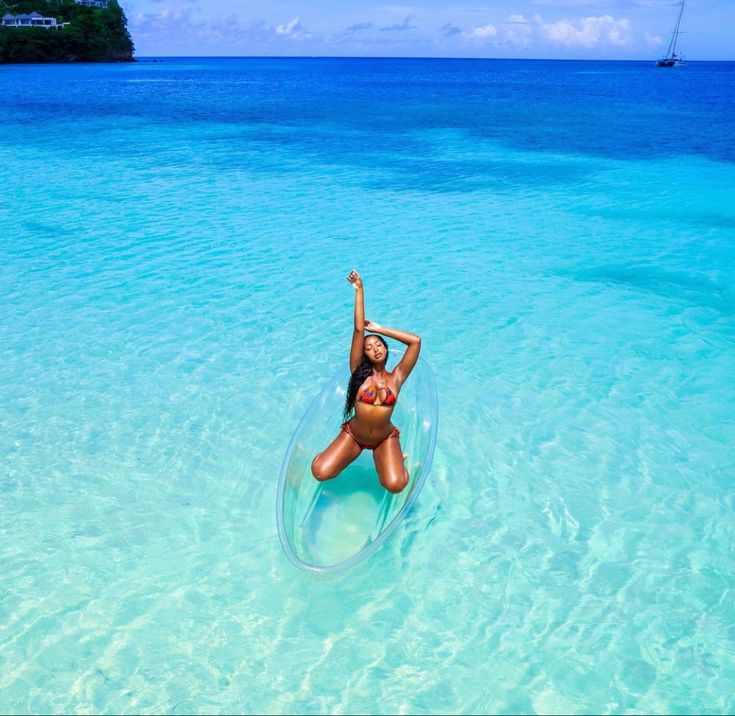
{"x": 390, "y": 464}
{"x": 338, "y": 455}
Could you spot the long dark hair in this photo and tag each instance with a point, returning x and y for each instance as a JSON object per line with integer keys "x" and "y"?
{"x": 360, "y": 375}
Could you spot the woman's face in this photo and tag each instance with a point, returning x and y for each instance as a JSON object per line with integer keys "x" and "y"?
{"x": 375, "y": 350}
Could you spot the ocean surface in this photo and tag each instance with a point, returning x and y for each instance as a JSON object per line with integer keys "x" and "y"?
{"x": 175, "y": 241}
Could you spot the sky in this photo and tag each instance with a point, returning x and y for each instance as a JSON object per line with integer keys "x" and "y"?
{"x": 553, "y": 29}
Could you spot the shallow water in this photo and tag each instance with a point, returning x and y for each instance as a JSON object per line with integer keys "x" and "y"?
{"x": 176, "y": 238}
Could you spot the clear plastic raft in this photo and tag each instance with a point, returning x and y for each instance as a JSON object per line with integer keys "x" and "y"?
{"x": 330, "y": 526}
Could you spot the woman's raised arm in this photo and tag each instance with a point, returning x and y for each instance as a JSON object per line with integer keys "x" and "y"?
{"x": 412, "y": 341}
{"x": 358, "y": 334}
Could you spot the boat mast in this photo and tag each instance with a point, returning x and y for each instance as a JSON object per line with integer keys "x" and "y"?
{"x": 675, "y": 36}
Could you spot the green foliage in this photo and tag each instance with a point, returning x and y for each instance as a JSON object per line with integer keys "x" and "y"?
{"x": 92, "y": 35}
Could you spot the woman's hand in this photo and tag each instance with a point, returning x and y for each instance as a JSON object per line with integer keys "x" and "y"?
{"x": 370, "y": 326}
{"x": 355, "y": 280}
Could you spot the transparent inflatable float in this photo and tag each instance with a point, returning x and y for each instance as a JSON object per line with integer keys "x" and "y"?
{"x": 330, "y": 526}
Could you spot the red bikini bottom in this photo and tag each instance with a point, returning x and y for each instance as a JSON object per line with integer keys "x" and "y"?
{"x": 365, "y": 446}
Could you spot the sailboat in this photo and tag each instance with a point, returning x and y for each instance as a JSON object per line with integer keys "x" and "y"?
{"x": 671, "y": 59}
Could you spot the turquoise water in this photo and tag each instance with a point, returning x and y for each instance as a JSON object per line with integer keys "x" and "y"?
{"x": 175, "y": 243}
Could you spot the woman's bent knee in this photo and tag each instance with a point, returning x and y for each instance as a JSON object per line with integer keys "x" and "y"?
{"x": 395, "y": 485}
{"x": 318, "y": 470}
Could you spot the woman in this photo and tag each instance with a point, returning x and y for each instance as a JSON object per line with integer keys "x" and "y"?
{"x": 372, "y": 393}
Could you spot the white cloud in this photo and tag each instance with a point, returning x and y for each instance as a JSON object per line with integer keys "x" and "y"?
{"x": 653, "y": 40}
{"x": 164, "y": 21}
{"x": 482, "y": 33}
{"x": 620, "y": 34}
{"x": 588, "y": 32}
{"x": 519, "y": 39}
{"x": 520, "y": 32}
{"x": 289, "y": 28}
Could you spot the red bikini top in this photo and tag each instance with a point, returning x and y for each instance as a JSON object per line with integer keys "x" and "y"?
{"x": 371, "y": 394}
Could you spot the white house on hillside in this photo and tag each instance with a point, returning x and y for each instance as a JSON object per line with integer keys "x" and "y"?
{"x": 92, "y": 3}
{"x": 32, "y": 20}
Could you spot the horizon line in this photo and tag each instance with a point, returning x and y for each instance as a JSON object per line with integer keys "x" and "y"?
{"x": 412, "y": 57}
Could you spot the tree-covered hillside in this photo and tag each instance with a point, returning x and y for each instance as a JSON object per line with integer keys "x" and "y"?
{"x": 92, "y": 35}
